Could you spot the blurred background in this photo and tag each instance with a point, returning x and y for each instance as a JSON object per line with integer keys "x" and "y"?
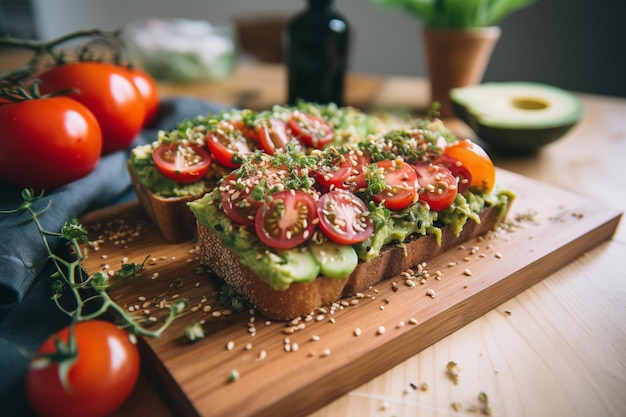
{"x": 577, "y": 45}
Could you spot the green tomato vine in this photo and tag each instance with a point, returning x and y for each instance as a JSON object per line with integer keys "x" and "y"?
{"x": 86, "y": 291}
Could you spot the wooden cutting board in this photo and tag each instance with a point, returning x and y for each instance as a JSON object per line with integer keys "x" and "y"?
{"x": 295, "y": 368}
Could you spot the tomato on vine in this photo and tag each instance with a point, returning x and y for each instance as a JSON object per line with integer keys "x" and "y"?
{"x": 47, "y": 142}
{"x": 149, "y": 92}
{"x": 89, "y": 377}
{"x": 107, "y": 91}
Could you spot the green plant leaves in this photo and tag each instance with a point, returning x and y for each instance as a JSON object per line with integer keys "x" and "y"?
{"x": 458, "y": 14}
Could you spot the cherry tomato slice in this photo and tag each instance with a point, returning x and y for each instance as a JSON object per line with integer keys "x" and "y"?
{"x": 437, "y": 185}
{"x": 400, "y": 184}
{"x": 349, "y": 175}
{"x": 343, "y": 217}
{"x": 462, "y": 174}
{"x": 248, "y": 132}
{"x": 241, "y": 197}
{"x": 476, "y": 160}
{"x": 310, "y": 130}
{"x": 237, "y": 200}
{"x": 182, "y": 163}
{"x": 273, "y": 135}
{"x": 286, "y": 219}
{"x": 226, "y": 144}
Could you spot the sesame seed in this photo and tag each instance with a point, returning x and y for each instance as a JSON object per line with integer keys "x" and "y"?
{"x": 467, "y": 272}
{"x": 381, "y": 330}
{"x": 357, "y": 332}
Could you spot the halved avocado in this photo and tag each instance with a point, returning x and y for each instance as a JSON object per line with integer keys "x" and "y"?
{"x": 516, "y": 117}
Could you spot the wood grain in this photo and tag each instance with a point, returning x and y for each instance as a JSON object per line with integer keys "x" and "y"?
{"x": 549, "y": 228}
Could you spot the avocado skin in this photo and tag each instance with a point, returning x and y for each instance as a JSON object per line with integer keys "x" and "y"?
{"x": 511, "y": 140}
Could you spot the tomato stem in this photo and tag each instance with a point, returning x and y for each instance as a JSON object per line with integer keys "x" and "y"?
{"x": 99, "y": 43}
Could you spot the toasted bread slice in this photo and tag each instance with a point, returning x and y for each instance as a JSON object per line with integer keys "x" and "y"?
{"x": 170, "y": 214}
{"x": 303, "y": 298}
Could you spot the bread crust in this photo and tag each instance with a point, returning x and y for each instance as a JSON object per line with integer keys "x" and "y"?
{"x": 171, "y": 215}
{"x": 303, "y": 298}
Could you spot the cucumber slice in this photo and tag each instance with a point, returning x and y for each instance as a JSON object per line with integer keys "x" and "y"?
{"x": 299, "y": 264}
{"x": 336, "y": 261}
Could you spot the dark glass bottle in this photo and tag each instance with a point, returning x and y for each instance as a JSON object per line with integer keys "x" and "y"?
{"x": 316, "y": 54}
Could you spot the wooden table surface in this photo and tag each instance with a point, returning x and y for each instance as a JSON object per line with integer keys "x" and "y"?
{"x": 559, "y": 348}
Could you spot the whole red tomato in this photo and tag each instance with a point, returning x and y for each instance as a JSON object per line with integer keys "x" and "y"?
{"x": 107, "y": 91}
{"x": 99, "y": 381}
{"x": 47, "y": 142}
{"x": 148, "y": 89}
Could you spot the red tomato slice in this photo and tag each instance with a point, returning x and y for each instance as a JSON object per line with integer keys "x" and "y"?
{"x": 462, "y": 174}
{"x": 181, "y": 163}
{"x": 348, "y": 175}
{"x": 273, "y": 135}
{"x": 226, "y": 143}
{"x": 437, "y": 185}
{"x": 400, "y": 184}
{"x": 343, "y": 217}
{"x": 286, "y": 219}
{"x": 247, "y": 131}
{"x": 476, "y": 160}
{"x": 311, "y": 130}
{"x": 237, "y": 200}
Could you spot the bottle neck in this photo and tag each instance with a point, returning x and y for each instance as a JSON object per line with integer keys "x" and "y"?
{"x": 320, "y": 5}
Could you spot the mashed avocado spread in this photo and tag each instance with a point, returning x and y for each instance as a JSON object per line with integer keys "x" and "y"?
{"x": 389, "y": 227}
